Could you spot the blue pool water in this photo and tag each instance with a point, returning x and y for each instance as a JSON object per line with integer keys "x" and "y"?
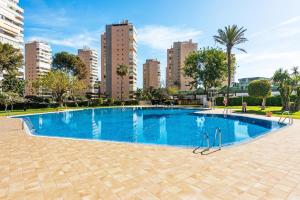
{"x": 163, "y": 126}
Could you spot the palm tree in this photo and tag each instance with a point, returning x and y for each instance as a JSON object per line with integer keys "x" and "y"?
{"x": 122, "y": 70}
{"x": 230, "y": 37}
{"x": 284, "y": 82}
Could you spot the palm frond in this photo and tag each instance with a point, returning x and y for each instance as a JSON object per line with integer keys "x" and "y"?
{"x": 242, "y": 50}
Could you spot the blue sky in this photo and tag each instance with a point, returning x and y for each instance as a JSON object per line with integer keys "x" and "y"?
{"x": 273, "y": 27}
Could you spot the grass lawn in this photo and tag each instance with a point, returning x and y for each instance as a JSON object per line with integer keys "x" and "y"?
{"x": 41, "y": 110}
{"x": 256, "y": 110}
{"x": 251, "y": 109}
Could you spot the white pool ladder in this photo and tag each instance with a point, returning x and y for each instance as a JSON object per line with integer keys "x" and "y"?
{"x": 288, "y": 116}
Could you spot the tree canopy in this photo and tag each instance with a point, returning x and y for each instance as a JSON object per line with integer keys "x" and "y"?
{"x": 260, "y": 89}
{"x": 122, "y": 70}
{"x": 60, "y": 84}
{"x": 283, "y": 81}
{"x": 206, "y": 67}
{"x": 71, "y": 64}
{"x": 11, "y": 59}
{"x": 230, "y": 37}
{"x": 11, "y": 83}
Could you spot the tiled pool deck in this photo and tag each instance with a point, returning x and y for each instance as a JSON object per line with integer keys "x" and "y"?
{"x": 49, "y": 168}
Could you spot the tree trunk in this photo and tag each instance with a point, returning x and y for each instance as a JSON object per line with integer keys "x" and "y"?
{"x": 297, "y": 102}
{"x": 229, "y": 73}
{"x": 263, "y": 106}
{"x": 60, "y": 101}
{"x": 122, "y": 88}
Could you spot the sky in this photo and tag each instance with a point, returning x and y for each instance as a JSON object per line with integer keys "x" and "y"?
{"x": 273, "y": 27}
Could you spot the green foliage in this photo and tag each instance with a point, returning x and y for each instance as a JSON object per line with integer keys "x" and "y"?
{"x": 260, "y": 89}
{"x": 172, "y": 91}
{"x": 237, "y": 101}
{"x": 122, "y": 70}
{"x": 284, "y": 85}
{"x": 9, "y": 98}
{"x": 230, "y": 37}
{"x": 71, "y": 64}
{"x": 11, "y": 59}
{"x": 206, "y": 67}
{"x": 140, "y": 94}
{"x": 100, "y": 101}
{"x": 110, "y": 101}
{"x": 11, "y": 83}
{"x": 61, "y": 85}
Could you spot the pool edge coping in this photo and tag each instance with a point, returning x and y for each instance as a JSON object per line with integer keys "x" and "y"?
{"x": 230, "y": 145}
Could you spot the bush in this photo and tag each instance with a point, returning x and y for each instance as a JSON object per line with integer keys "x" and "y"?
{"x": 251, "y": 101}
{"x": 274, "y": 101}
{"x": 110, "y": 101}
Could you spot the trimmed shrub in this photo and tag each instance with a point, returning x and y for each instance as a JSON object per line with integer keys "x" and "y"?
{"x": 274, "y": 101}
{"x": 251, "y": 101}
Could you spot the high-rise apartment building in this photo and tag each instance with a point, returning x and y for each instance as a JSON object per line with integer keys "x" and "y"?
{"x": 11, "y": 25}
{"x": 175, "y": 62}
{"x": 38, "y": 59}
{"x": 90, "y": 59}
{"x": 119, "y": 47}
{"x": 169, "y": 68}
{"x": 103, "y": 64}
{"x": 151, "y": 74}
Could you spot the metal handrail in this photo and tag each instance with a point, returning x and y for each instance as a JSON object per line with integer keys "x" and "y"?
{"x": 283, "y": 118}
{"x": 218, "y": 134}
{"x": 206, "y": 137}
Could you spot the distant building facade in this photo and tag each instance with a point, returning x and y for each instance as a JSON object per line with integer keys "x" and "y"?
{"x": 175, "y": 62}
{"x": 90, "y": 59}
{"x": 103, "y": 64}
{"x": 151, "y": 74}
{"x": 244, "y": 82}
{"x": 119, "y": 47}
{"x": 38, "y": 60}
{"x": 12, "y": 26}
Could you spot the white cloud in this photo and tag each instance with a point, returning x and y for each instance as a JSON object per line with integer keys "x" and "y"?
{"x": 90, "y": 39}
{"x": 290, "y": 56}
{"x": 290, "y": 21}
{"x": 49, "y": 18}
{"x": 162, "y": 37}
{"x": 265, "y": 63}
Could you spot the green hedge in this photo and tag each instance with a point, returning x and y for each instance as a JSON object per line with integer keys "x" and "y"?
{"x": 251, "y": 101}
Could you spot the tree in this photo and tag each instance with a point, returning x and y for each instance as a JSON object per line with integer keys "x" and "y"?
{"x": 230, "y": 37}
{"x": 11, "y": 83}
{"x": 260, "y": 89}
{"x": 60, "y": 84}
{"x": 206, "y": 67}
{"x": 9, "y": 98}
{"x": 295, "y": 76}
{"x": 139, "y": 94}
{"x": 122, "y": 70}
{"x": 283, "y": 81}
{"x": 172, "y": 91}
{"x": 76, "y": 88}
{"x": 11, "y": 59}
{"x": 70, "y": 64}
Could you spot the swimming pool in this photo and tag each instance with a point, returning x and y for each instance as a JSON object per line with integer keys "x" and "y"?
{"x": 162, "y": 126}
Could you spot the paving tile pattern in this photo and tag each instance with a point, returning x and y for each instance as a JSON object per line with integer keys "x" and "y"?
{"x": 50, "y": 168}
